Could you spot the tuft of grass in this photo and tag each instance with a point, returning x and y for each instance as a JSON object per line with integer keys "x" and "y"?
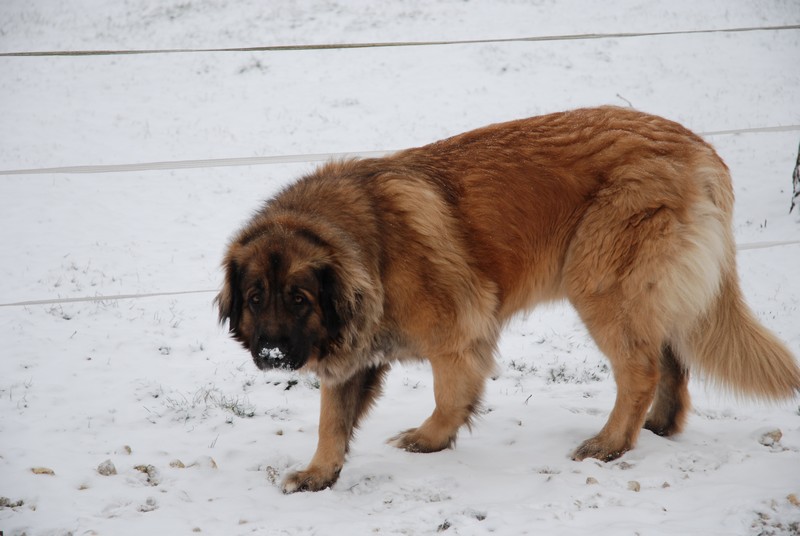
{"x": 586, "y": 374}
{"x": 206, "y": 399}
{"x": 523, "y": 368}
{"x": 5, "y": 502}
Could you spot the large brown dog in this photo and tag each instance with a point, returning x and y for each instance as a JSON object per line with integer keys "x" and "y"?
{"x": 428, "y": 252}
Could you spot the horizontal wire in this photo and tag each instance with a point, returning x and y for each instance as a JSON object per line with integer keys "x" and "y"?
{"x": 116, "y": 297}
{"x": 753, "y": 130}
{"x": 190, "y": 164}
{"x": 345, "y": 46}
{"x": 280, "y": 159}
{"x": 766, "y": 245}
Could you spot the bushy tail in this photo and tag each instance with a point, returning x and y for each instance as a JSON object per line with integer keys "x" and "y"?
{"x": 733, "y": 348}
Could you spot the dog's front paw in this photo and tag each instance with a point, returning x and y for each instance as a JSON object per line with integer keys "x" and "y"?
{"x": 310, "y": 479}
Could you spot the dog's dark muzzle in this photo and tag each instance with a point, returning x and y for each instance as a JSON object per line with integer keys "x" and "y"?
{"x": 268, "y": 356}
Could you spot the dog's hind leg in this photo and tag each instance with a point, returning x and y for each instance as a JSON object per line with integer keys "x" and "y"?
{"x": 634, "y": 359}
{"x": 458, "y": 381}
{"x": 671, "y": 405}
{"x": 625, "y": 277}
{"x": 341, "y": 408}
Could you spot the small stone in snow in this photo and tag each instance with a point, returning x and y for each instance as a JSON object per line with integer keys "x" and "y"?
{"x": 42, "y": 471}
{"x": 205, "y": 461}
{"x": 634, "y": 486}
{"x": 272, "y": 474}
{"x": 591, "y": 481}
{"x": 149, "y": 505}
{"x": 177, "y": 464}
{"x": 107, "y": 468}
{"x": 771, "y": 438}
{"x": 792, "y": 498}
{"x": 152, "y": 475}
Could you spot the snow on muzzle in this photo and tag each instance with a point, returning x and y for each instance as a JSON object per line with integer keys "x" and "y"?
{"x": 272, "y": 357}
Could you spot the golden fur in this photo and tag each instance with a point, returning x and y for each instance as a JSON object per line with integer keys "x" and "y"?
{"x": 425, "y": 254}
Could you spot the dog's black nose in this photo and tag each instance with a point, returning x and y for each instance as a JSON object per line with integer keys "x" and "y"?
{"x": 270, "y": 355}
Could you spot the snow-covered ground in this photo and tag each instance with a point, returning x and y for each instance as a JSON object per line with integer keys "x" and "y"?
{"x": 152, "y": 381}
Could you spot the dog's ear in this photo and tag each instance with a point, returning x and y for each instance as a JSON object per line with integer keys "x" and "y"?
{"x": 351, "y": 304}
{"x": 330, "y": 301}
{"x": 229, "y": 300}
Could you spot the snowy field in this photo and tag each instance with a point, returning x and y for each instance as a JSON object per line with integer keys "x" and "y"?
{"x": 198, "y": 437}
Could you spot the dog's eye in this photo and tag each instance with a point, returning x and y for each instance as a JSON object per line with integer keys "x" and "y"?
{"x": 255, "y": 299}
{"x": 298, "y": 299}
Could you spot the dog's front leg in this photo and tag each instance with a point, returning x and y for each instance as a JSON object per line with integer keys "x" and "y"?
{"x": 334, "y": 437}
{"x": 341, "y": 407}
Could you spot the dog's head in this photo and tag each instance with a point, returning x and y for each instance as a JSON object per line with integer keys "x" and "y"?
{"x": 288, "y": 298}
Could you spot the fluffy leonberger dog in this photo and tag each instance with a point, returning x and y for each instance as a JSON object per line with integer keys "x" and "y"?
{"x": 427, "y": 253}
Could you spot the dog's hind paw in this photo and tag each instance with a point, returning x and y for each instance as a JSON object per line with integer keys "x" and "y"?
{"x": 598, "y": 449}
{"x": 415, "y": 440}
